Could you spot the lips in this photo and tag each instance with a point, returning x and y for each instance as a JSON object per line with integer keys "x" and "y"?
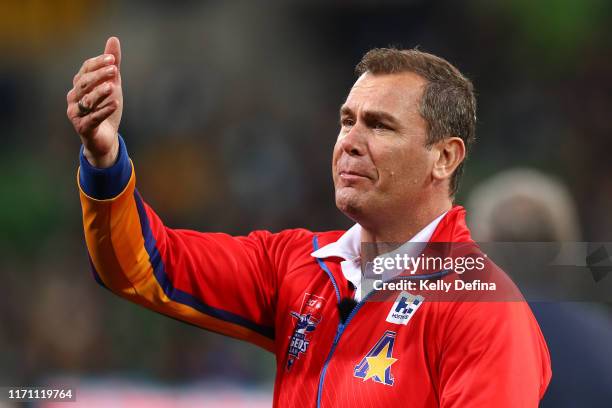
{"x": 346, "y": 173}
{"x": 349, "y": 169}
{"x": 353, "y": 175}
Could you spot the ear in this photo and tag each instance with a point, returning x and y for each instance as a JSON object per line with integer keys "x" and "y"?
{"x": 451, "y": 152}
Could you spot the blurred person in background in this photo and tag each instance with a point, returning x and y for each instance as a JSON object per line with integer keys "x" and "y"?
{"x": 526, "y": 205}
{"x": 405, "y": 130}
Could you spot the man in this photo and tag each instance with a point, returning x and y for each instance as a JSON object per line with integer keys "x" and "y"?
{"x": 406, "y": 126}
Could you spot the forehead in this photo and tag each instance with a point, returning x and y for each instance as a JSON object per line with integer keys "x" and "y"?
{"x": 397, "y": 94}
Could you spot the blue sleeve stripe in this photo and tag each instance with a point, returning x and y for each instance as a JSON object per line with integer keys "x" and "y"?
{"x": 180, "y": 296}
{"x": 103, "y": 184}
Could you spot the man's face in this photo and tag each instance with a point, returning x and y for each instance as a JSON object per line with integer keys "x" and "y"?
{"x": 380, "y": 163}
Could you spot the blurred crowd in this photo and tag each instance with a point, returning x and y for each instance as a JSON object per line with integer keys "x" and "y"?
{"x": 231, "y": 113}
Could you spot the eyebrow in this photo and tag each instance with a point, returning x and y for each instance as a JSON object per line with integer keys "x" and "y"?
{"x": 371, "y": 114}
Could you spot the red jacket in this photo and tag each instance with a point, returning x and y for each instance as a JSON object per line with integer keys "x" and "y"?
{"x": 267, "y": 289}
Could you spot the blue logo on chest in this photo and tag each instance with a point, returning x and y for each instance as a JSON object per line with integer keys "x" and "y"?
{"x": 305, "y": 322}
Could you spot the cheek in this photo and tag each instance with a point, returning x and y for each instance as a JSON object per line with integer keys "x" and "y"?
{"x": 399, "y": 167}
{"x": 387, "y": 160}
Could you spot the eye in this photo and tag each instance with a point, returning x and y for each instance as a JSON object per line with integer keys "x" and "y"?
{"x": 347, "y": 122}
{"x": 380, "y": 126}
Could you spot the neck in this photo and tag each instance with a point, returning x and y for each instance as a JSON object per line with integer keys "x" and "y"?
{"x": 399, "y": 229}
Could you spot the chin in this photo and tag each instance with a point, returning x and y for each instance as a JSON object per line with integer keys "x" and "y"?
{"x": 350, "y": 204}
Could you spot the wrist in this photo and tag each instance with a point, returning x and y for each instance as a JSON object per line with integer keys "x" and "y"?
{"x": 103, "y": 161}
{"x": 105, "y": 183}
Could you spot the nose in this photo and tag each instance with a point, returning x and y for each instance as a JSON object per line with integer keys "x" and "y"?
{"x": 353, "y": 142}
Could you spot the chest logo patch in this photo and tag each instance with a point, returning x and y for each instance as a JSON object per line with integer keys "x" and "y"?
{"x": 404, "y": 308}
{"x": 305, "y": 322}
{"x": 376, "y": 365}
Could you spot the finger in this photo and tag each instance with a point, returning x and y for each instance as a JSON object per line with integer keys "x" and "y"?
{"x": 71, "y": 96}
{"x": 74, "y": 112}
{"x": 97, "y": 95}
{"x": 90, "y": 80}
{"x": 94, "y": 119}
{"x": 94, "y": 64}
{"x": 113, "y": 47}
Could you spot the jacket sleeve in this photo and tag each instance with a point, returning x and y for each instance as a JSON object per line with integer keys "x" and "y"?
{"x": 218, "y": 282}
{"x": 494, "y": 355}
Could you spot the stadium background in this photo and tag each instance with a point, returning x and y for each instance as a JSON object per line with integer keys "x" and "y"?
{"x": 230, "y": 116}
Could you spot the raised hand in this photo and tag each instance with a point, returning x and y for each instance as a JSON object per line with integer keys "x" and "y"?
{"x": 95, "y": 105}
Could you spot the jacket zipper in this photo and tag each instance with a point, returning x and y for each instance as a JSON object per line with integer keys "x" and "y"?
{"x": 342, "y": 326}
{"x": 339, "y": 331}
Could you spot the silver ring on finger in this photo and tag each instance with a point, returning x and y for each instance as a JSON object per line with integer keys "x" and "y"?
{"x": 83, "y": 110}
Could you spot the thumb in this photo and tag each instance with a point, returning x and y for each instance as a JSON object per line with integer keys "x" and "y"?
{"x": 114, "y": 47}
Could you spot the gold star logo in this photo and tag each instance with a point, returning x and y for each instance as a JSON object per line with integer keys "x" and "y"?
{"x": 378, "y": 365}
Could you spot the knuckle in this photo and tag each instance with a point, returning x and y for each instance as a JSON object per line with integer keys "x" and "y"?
{"x": 69, "y": 95}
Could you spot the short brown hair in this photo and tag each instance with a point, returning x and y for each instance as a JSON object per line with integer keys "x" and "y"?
{"x": 448, "y": 103}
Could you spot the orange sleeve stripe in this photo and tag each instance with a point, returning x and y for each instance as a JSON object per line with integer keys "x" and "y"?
{"x": 118, "y": 251}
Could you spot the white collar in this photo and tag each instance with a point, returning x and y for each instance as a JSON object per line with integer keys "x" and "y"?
{"x": 348, "y": 246}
